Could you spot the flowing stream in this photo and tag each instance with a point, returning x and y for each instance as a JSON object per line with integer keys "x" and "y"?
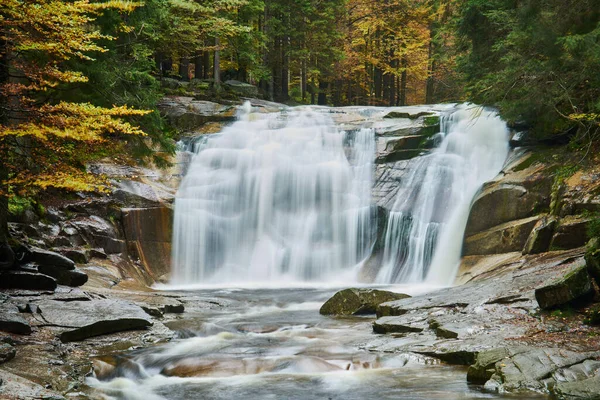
{"x": 274, "y": 344}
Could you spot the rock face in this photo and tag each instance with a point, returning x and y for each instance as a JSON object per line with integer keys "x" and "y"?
{"x": 187, "y": 114}
{"x": 148, "y": 232}
{"x": 574, "y": 285}
{"x": 504, "y": 238}
{"x": 92, "y": 318}
{"x": 358, "y": 301}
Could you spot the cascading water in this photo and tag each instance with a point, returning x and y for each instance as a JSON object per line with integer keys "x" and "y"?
{"x": 287, "y": 197}
{"x": 274, "y": 197}
{"x": 425, "y": 229}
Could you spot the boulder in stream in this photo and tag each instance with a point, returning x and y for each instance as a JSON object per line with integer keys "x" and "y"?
{"x": 358, "y": 301}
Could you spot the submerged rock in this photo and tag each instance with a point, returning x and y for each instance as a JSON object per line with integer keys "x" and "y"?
{"x": 575, "y": 285}
{"x": 93, "y": 318}
{"x": 358, "y": 301}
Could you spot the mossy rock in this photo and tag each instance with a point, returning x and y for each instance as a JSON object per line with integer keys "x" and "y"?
{"x": 575, "y": 285}
{"x": 358, "y": 301}
{"x": 484, "y": 367}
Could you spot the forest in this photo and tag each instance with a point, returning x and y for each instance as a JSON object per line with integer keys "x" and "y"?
{"x": 80, "y": 80}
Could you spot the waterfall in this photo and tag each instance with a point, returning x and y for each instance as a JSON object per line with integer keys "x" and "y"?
{"x": 284, "y": 196}
{"x": 425, "y": 228}
{"x": 287, "y": 197}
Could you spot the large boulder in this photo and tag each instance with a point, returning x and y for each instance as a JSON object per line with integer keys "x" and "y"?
{"x": 26, "y": 280}
{"x": 576, "y": 284}
{"x": 11, "y": 321}
{"x": 358, "y": 301}
{"x": 84, "y": 319}
{"x": 505, "y": 238}
{"x": 45, "y": 257}
{"x": 65, "y": 277}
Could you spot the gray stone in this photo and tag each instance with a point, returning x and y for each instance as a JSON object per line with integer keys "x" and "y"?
{"x": 72, "y": 278}
{"x": 7, "y": 352}
{"x": 574, "y": 285}
{"x": 11, "y": 321}
{"x": 588, "y": 389}
{"x": 93, "y": 318}
{"x": 358, "y": 301}
{"x": 26, "y": 280}
{"x": 527, "y": 368}
{"x": 77, "y": 256}
{"x": 540, "y": 237}
{"x": 401, "y": 324}
{"x": 45, "y": 257}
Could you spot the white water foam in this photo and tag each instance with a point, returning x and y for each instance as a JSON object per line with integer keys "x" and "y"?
{"x": 284, "y": 199}
{"x": 426, "y": 226}
{"x": 275, "y": 198}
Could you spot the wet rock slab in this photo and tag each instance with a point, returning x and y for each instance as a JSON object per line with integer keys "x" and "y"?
{"x": 92, "y": 318}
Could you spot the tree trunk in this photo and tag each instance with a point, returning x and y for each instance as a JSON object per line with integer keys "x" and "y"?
{"x": 429, "y": 88}
{"x": 322, "y": 98}
{"x": 184, "y": 68}
{"x": 285, "y": 70}
{"x": 217, "y": 63}
{"x": 303, "y": 81}
{"x": 7, "y": 257}
{"x": 198, "y": 67}
{"x": 206, "y": 65}
{"x": 377, "y": 82}
{"x": 403, "y": 78}
{"x": 392, "y": 89}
